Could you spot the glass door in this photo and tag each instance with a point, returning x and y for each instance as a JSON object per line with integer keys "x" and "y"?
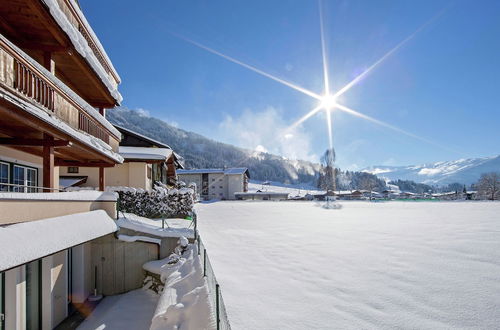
{"x": 4, "y": 176}
{"x": 33, "y": 295}
{"x": 24, "y": 177}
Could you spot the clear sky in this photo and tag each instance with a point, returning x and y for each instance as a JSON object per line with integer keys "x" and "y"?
{"x": 442, "y": 85}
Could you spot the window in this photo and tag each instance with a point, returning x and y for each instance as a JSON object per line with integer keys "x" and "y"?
{"x": 24, "y": 176}
{"x": 4, "y": 175}
{"x": 213, "y": 180}
{"x": 213, "y": 187}
{"x": 73, "y": 169}
{"x": 220, "y": 187}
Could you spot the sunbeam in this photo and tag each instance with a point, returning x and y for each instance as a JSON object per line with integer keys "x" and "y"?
{"x": 394, "y": 128}
{"x": 329, "y": 127}
{"x": 323, "y": 50}
{"x": 388, "y": 54}
{"x": 307, "y": 116}
{"x": 248, "y": 66}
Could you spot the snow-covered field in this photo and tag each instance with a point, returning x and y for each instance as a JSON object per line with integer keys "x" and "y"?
{"x": 294, "y": 265}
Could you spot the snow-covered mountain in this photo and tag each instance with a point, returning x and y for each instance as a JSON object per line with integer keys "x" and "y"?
{"x": 201, "y": 152}
{"x": 465, "y": 171}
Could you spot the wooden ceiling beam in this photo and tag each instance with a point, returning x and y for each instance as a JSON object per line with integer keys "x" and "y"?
{"x": 61, "y": 162}
{"x": 34, "y": 142}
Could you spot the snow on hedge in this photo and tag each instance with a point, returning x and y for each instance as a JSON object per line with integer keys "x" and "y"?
{"x": 385, "y": 265}
{"x": 161, "y": 202}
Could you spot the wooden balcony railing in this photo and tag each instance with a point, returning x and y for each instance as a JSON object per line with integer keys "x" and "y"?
{"x": 23, "y": 76}
{"x": 74, "y": 18}
{"x": 33, "y": 86}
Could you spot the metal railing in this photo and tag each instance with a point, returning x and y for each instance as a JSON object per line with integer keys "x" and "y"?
{"x": 214, "y": 291}
{"x": 22, "y": 188}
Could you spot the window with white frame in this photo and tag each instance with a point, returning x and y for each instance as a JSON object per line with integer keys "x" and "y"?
{"x": 25, "y": 178}
{"x": 4, "y": 175}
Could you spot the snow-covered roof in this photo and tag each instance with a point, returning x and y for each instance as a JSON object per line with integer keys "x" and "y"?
{"x": 154, "y": 142}
{"x": 83, "y": 48}
{"x": 68, "y": 181}
{"x": 228, "y": 171}
{"x": 75, "y": 97}
{"x": 144, "y": 153}
{"x": 23, "y": 242}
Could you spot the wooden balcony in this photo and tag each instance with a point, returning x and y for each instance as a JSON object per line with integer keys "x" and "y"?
{"x": 57, "y": 32}
{"x": 28, "y": 80}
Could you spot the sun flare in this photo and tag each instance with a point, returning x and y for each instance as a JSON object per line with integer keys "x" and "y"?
{"x": 328, "y": 102}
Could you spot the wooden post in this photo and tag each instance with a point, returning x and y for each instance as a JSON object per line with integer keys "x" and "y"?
{"x": 102, "y": 111}
{"x": 102, "y": 179}
{"x": 48, "y": 164}
{"x": 48, "y": 63}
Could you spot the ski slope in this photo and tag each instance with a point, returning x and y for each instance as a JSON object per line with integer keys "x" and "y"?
{"x": 294, "y": 265}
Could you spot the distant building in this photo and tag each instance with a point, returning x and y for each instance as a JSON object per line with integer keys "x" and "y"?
{"x": 217, "y": 183}
{"x": 264, "y": 196}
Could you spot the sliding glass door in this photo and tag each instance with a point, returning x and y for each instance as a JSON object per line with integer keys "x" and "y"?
{"x": 33, "y": 295}
{"x": 4, "y": 175}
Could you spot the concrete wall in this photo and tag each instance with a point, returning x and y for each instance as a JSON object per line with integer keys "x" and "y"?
{"x": 131, "y": 174}
{"x": 21, "y": 210}
{"x": 119, "y": 263}
{"x": 234, "y": 184}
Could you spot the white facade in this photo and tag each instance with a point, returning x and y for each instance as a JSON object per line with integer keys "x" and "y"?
{"x": 216, "y": 183}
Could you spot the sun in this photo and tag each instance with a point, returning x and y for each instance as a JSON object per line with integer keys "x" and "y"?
{"x": 328, "y": 102}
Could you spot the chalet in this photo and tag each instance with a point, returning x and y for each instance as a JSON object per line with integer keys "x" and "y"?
{"x": 146, "y": 161}
{"x": 217, "y": 183}
{"x": 56, "y": 82}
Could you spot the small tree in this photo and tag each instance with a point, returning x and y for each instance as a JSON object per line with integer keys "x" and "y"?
{"x": 328, "y": 172}
{"x": 369, "y": 182}
{"x": 489, "y": 186}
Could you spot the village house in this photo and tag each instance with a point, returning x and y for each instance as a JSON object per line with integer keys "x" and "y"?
{"x": 57, "y": 247}
{"x": 146, "y": 161}
{"x": 217, "y": 183}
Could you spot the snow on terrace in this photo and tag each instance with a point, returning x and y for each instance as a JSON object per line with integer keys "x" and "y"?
{"x": 295, "y": 265}
{"x": 173, "y": 227}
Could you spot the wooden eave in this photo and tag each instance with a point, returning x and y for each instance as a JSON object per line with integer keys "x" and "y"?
{"x": 17, "y": 124}
{"x": 29, "y": 25}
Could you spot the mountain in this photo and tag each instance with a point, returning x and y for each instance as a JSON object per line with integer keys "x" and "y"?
{"x": 201, "y": 152}
{"x": 465, "y": 171}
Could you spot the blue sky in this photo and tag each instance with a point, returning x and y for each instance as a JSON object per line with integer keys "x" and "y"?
{"x": 442, "y": 85}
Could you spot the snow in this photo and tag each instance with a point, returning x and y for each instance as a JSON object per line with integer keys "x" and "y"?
{"x": 184, "y": 303}
{"x": 82, "y": 46}
{"x": 293, "y": 190}
{"x": 131, "y": 310}
{"x": 81, "y": 102}
{"x": 83, "y": 137}
{"x": 228, "y": 171}
{"x": 294, "y": 265}
{"x": 145, "y": 153}
{"x": 27, "y": 241}
{"x": 80, "y": 195}
{"x": 173, "y": 227}
{"x": 128, "y": 238}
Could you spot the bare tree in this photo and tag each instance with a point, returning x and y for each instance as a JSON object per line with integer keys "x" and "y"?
{"x": 368, "y": 183}
{"x": 489, "y": 185}
{"x": 328, "y": 171}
